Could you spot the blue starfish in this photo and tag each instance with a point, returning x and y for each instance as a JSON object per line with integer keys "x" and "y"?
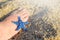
{"x": 20, "y": 24}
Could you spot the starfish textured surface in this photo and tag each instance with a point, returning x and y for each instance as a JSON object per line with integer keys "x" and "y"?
{"x": 20, "y": 24}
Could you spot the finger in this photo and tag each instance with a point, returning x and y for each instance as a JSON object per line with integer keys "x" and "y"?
{"x": 23, "y": 12}
{"x": 25, "y": 19}
{"x": 25, "y": 16}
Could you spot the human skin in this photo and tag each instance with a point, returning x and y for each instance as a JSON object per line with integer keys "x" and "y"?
{"x": 7, "y": 28}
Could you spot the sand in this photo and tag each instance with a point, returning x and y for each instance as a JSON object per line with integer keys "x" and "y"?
{"x": 44, "y": 19}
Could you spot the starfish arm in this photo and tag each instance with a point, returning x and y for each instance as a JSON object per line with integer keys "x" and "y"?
{"x": 19, "y": 19}
{"x": 25, "y": 29}
{"x": 15, "y": 23}
{"x": 26, "y": 22}
{"x": 18, "y": 27}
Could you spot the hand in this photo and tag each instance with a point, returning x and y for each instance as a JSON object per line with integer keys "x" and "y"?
{"x": 7, "y": 28}
{"x": 24, "y": 15}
